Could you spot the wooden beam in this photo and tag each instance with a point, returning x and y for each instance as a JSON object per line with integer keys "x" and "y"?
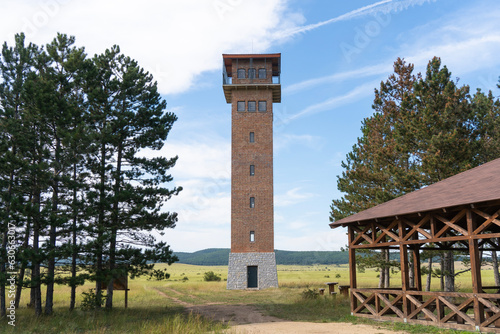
{"x": 489, "y": 219}
{"x": 417, "y": 227}
{"x": 352, "y": 267}
{"x": 405, "y": 282}
{"x": 362, "y": 234}
{"x": 386, "y": 231}
{"x": 457, "y": 310}
{"x": 475, "y": 263}
{"x": 425, "y": 241}
{"x": 452, "y": 223}
{"x": 421, "y": 307}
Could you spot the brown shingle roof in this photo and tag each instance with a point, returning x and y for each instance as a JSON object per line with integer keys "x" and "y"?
{"x": 475, "y": 185}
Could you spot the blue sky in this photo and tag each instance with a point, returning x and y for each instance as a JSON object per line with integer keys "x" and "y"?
{"x": 334, "y": 53}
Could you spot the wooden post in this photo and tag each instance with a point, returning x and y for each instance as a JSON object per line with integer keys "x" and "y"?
{"x": 126, "y": 298}
{"x": 417, "y": 275}
{"x": 475, "y": 264}
{"x": 403, "y": 254}
{"x": 352, "y": 268}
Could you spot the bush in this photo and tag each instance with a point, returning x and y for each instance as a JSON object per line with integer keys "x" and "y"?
{"x": 210, "y": 276}
{"x": 90, "y": 300}
{"x": 310, "y": 294}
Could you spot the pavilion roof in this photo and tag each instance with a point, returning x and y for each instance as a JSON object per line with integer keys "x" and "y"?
{"x": 476, "y": 185}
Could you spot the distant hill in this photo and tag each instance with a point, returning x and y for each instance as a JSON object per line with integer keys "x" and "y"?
{"x": 220, "y": 256}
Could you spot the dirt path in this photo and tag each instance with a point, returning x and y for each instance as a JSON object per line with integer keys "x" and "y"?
{"x": 246, "y": 319}
{"x": 289, "y": 327}
{"x": 227, "y": 313}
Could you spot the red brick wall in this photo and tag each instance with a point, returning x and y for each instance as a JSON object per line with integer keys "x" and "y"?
{"x": 243, "y": 186}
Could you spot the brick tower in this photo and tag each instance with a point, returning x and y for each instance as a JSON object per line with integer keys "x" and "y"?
{"x": 251, "y": 84}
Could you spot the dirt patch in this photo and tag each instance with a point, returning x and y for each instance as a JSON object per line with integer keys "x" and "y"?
{"x": 233, "y": 314}
{"x": 226, "y": 313}
{"x": 308, "y": 327}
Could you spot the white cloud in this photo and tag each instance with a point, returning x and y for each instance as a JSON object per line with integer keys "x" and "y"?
{"x": 201, "y": 158}
{"x": 286, "y": 140}
{"x": 331, "y": 103}
{"x": 311, "y": 239}
{"x": 174, "y": 40}
{"x": 466, "y": 41}
{"x": 339, "y": 77}
{"x": 292, "y": 197}
{"x": 185, "y": 239}
{"x": 384, "y": 6}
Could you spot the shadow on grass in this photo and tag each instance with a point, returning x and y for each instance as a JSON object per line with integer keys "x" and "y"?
{"x": 149, "y": 320}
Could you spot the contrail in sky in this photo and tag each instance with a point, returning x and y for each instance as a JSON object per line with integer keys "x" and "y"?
{"x": 384, "y": 6}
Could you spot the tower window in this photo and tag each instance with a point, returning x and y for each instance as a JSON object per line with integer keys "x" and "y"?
{"x": 262, "y": 73}
{"x": 251, "y": 73}
{"x": 252, "y": 202}
{"x": 252, "y": 236}
{"x": 251, "y": 106}
{"x": 252, "y": 170}
{"x": 252, "y": 137}
{"x": 241, "y": 73}
{"x": 241, "y": 106}
{"x": 262, "y": 105}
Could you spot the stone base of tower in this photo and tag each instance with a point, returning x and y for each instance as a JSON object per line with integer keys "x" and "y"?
{"x": 239, "y": 271}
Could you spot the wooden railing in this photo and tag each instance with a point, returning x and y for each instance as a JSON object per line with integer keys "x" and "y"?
{"x": 466, "y": 311}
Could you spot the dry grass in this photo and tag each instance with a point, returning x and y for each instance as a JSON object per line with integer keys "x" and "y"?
{"x": 150, "y": 312}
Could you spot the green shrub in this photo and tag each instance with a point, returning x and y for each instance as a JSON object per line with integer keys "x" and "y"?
{"x": 210, "y": 276}
{"x": 310, "y": 294}
{"x": 90, "y": 301}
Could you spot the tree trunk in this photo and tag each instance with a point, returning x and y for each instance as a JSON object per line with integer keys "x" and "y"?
{"x": 429, "y": 276}
{"x": 411, "y": 270}
{"x": 494, "y": 261}
{"x": 449, "y": 273}
{"x": 49, "y": 296}
{"x": 381, "y": 278}
{"x": 36, "y": 282}
{"x": 441, "y": 279}
{"x": 100, "y": 227}
{"x": 114, "y": 229}
{"x": 20, "y": 280}
{"x": 3, "y": 271}
{"x": 74, "y": 251}
{"x": 387, "y": 283}
{"x": 3, "y": 309}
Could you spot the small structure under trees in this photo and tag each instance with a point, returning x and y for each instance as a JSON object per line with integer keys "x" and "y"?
{"x": 460, "y": 213}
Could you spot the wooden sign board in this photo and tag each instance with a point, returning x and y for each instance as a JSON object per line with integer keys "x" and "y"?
{"x": 120, "y": 283}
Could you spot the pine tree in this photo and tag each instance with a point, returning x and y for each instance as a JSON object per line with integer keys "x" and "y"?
{"x": 381, "y": 166}
{"x": 130, "y": 114}
{"x": 424, "y": 130}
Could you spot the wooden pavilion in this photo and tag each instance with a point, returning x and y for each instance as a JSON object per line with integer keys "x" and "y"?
{"x": 461, "y": 212}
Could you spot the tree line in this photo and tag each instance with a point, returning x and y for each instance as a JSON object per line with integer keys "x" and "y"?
{"x": 424, "y": 128}
{"x": 80, "y": 190}
{"x": 220, "y": 257}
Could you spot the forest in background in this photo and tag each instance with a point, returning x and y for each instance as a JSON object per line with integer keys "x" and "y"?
{"x": 220, "y": 256}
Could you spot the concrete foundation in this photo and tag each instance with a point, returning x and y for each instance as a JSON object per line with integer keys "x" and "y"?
{"x": 237, "y": 276}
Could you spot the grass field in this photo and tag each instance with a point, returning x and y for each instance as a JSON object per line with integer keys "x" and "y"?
{"x": 151, "y": 312}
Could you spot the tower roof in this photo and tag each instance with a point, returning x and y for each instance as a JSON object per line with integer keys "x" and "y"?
{"x": 275, "y": 58}
{"x": 476, "y": 185}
